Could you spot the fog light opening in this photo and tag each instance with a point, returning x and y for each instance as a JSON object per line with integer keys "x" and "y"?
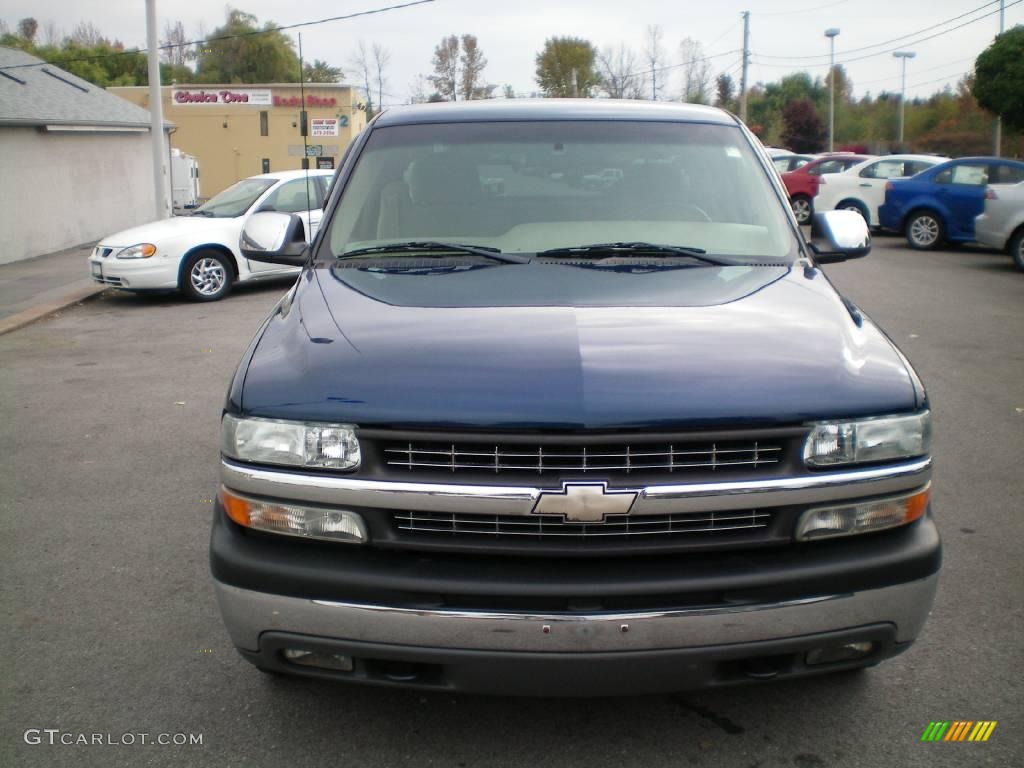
{"x": 306, "y": 658}
{"x": 835, "y": 654}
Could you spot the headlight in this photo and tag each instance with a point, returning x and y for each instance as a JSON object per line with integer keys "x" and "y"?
{"x": 858, "y": 442}
{"x": 295, "y": 443}
{"x": 863, "y": 517}
{"x": 140, "y": 251}
{"x": 295, "y": 519}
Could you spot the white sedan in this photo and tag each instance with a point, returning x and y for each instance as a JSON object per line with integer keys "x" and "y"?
{"x": 861, "y": 187}
{"x": 198, "y": 254}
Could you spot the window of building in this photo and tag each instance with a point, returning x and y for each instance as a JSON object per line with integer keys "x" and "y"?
{"x": 266, "y": 165}
{"x": 264, "y": 124}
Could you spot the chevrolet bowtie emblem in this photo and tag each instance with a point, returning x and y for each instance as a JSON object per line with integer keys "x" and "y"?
{"x": 584, "y": 502}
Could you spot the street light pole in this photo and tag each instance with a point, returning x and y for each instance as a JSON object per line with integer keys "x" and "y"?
{"x": 831, "y": 34}
{"x": 999, "y": 118}
{"x": 156, "y": 112}
{"x": 903, "y": 56}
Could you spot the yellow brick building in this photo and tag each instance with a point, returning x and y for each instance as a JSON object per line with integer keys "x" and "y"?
{"x": 236, "y": 131}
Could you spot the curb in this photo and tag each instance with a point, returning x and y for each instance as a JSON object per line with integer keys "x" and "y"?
{"x": 30, "y": 315}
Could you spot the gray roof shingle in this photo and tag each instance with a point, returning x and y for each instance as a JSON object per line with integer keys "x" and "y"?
{"x": 47, "y": 95}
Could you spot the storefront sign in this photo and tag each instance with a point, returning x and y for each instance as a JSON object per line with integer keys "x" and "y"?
{"x": 243, "y": 96}
{"x": 323, "y": 126}
{"x": 314, "y": 150}
{"x": 311, "y": 101}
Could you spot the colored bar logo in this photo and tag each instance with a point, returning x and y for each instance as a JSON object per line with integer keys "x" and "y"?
{"x": 959, "y": 730}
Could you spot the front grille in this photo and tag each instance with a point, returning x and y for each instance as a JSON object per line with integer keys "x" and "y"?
{"x": 107, "y": 280}
{"x": 582, "y": 459}
{"x": 553, "y": 527}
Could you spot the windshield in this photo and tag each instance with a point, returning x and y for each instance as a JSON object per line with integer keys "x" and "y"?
{"x": 236, "y": 199}
{"x": 526, "y": 187}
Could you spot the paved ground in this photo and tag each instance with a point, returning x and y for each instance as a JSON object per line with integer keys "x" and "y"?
{"x": 33, "y": 288}
{"x": 108, "y": 418}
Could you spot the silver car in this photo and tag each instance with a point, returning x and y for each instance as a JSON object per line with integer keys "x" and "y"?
{"x": 1001, "y": 225}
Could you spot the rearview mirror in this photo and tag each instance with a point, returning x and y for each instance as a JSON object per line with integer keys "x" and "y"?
{"x": 275, "y": 238}
{"x": 845, "y": 235}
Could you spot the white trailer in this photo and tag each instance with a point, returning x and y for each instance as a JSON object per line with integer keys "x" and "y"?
{"x": 184, "y": 180}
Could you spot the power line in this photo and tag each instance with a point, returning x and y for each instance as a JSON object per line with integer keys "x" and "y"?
{"x": 896, "y": 48}
{"x": 917, "y": 71}
{"x": 804, "y": 10}
{"x": 689, "y": 62}
{"x": 283, "y": 27}
{"x": 893, "y": 40}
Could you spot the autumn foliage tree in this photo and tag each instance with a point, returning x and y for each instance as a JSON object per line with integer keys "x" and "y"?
{"x": 802, "y": 127}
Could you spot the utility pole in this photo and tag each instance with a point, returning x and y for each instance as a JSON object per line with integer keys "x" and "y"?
{"x": 156, "y": 113}
{"x": 831, "y": 34}
{"x": 999, "y": 118}
{"x": 903, "y": 56}
{"x": 746, "y": 62}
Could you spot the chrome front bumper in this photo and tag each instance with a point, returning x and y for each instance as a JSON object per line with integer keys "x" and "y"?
{"x": 248, "y": 614}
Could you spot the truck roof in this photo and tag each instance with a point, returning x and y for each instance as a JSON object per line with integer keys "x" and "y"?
{"x": 488, "y": 110}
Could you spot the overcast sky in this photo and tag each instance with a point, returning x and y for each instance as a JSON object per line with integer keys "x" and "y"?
{"x": 511, "y": 33}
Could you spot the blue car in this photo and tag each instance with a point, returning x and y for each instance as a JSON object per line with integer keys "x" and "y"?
{"x": 939, "y": 205}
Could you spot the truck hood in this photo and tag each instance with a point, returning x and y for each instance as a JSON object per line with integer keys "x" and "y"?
{"x": 570, "y": 347}
{"x": 167, "y": 229}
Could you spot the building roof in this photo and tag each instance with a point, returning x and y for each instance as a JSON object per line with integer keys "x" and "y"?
{"x": 47, "y": 95}
{"x": 552, "y": 109}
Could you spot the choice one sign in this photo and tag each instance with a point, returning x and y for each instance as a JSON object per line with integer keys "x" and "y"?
{"x": 246, "y": 96}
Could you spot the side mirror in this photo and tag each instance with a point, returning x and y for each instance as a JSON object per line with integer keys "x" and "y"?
{"x": 845, "y": 233}
{"x": 273, "y": 237}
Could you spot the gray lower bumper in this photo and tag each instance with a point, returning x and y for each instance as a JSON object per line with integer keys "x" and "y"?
{"x": 249, "y": 614}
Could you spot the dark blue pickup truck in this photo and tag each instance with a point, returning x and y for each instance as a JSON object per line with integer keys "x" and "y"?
{"x": 510, "y": 432}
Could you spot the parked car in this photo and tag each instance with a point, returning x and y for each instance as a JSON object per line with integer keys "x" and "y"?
{"x": 861, "y": 188}
{"x": 787, "y": 163}
{"x": 802, "y": 183}
{"x": 564, "y": 444}
{"x": 940, "y": 204}
{"x": 198, "y": 254}
{"x": 1002, "y": 223}
{"x": 602, "y": 180}
{"x": 774, "y": 152}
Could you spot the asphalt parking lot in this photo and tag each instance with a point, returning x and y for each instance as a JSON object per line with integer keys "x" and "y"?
{"x": 109, "y": 419}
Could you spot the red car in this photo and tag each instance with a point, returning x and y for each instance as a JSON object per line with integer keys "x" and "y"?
{"x": 802, "y": 183}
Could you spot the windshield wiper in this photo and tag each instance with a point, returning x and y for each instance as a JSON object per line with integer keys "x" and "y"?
{"x": 631, "y": 248}
{"x": 427, "y": 247}
{"x": 198, "y": 212}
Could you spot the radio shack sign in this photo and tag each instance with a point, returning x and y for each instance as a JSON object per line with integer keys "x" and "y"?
{"x": 240, "y": 96}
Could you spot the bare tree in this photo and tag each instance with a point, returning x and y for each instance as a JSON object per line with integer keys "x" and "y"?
{"x": 446, "y": 68}
{"x": 362, "y": 66}
{"x": 418, "y": 90}
{"x": 619, "y": 76}
{"x": 52, "y": 34}
{"x": 696, "y": 72}
{"x": 86, "y": 34}
{"x": 654, "y": 57}
{"x": 174, "y": 35}
{"x": 381, "y": 61}
{"x": 472, "y": 85}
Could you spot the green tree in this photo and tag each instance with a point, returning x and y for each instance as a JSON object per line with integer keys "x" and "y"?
{"x": 999, "y": 78}
{"x": 245, "y": 57}
{"x": 724, "y": 91}
{"x": 322, "y": 72}
{"x": 566, "y": 67}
